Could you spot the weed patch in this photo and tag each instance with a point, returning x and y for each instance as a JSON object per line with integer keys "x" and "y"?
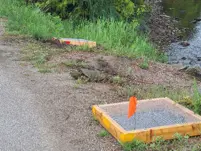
{"x": 196, "y": 99}
{"x": 135, "y": 145}
{"x": 103, "y": 133}
{"x": 180, "y": 143}
{"x": 144, "y": 65}
{"x": 117, "y": 80}
{"x": 152, "y": 91}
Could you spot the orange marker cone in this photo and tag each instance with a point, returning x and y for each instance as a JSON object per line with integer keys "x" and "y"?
{"x": 132, "y": 106}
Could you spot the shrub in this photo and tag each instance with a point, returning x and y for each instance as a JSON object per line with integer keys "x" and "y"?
{"x": 91, "y": 9}
{"x": 196, "y": 98}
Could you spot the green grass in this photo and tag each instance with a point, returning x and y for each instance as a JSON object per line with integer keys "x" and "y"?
{"x": 117, "y": 37}
{"x": 135, "y": 145}
{"x": 180, "y": 143}
{"x": 144, "y": 65}
{"x": 183, "y": 96}
{"x": 29, "y": 20}
{"x": 196, "y": 99}
{"x": 154, "y": 91}
{"x": 44, "y": 70}
{"x": 103, "y": 133}
{"x": 117, "y": 80}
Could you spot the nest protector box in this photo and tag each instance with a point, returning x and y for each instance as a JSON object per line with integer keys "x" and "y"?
{"x": 154, "y": 118}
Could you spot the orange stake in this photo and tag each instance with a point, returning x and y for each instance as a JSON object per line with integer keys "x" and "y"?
{"x": 132, "y": 106}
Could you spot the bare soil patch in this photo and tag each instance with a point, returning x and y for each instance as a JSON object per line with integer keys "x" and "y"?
{"x": 65, "y": 101}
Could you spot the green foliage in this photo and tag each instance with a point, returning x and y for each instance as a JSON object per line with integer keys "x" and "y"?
{"x": 92, "y": 9}
{"x": 187, "y": 102}
{"x": 118, "y": 37}
{"x": 153, "y": 91}
{"x": 180, "y": 143}
{"x": 117, "y": 80}
{"x": 157, "y": 144}
{"x": 144, "y": 64}
{"x": 30, "y": 20}
{"x": 44, "y": 70}
{"x": 135, "y": 145}
{"x": 103, "y": 133}
{"x": 124, "y": 7}
{"x": 196, "y": 99}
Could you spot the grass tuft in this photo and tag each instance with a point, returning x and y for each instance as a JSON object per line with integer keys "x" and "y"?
{"x": 196, "y": 98}
{"x": 134, "y": 145}
{"x": 103, "y": 133}
{"x": 144, "y": 65}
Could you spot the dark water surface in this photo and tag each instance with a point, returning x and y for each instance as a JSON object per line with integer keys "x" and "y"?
{"x": 185, "y": 11}
{"x": 188, "y": 14}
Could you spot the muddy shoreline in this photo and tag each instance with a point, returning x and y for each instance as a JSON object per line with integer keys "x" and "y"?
{"x": 166, "y": 33}
{"x": 163, "y": 28}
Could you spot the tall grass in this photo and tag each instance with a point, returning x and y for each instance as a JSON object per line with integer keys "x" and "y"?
{"x": 29, "y": 20}
{"x": 196, "y": 98}
{"x": 118, "y": 37}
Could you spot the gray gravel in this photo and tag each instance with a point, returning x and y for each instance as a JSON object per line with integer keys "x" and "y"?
{"x": 45, "y": 112}
{"x": 149, "y": 119}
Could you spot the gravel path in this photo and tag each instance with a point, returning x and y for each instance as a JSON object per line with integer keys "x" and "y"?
{"x": 46, "y": 111}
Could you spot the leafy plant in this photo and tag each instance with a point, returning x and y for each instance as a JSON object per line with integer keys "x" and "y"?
{"x": 92, "y": 9}
{"x": 103, "y": 133}
{"x": 196, "y": 98}
{"x": 144, "y": 64}
{"x": 157, "y": 144}
{"x": 134, "y": 145}
{"x": 117, "y": 80}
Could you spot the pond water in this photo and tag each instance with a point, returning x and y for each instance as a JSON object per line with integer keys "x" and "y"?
{"x": 188, "y": 14}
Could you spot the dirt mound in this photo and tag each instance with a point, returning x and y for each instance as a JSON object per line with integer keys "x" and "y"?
{"x": 120, "y": 70}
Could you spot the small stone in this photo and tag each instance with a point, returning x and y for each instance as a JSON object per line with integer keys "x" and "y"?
{"x": 194, "y": 71}
{"x": 183, "y": 58}
{"x": 165, "y": 16}
{"x": 186, "y": 62}
{"x": 185, "y": 43}
{"x": 199, "y": 58}
{"x": 76, "y": 74}
{"x": 183, "y": 68}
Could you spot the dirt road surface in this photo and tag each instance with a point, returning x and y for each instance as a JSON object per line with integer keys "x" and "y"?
{"x": 46, "y": 112}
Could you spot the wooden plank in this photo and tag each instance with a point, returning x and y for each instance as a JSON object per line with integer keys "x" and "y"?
{"x": 186, "y": 110}
{"x": 115, "y": 129}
